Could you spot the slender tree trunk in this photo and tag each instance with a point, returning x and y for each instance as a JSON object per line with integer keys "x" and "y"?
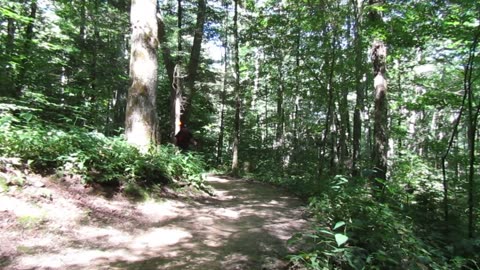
{"x": 224, "y": 90}
{"x": 176, "y": 100}
{"x": 141, "y": 116}
{"x": 10, "y": 35}
{"x": 176, "y": 91}
{"x": 280, "y": 136}
{"x": 222, "y": 111}
{"x": 472, "y": 130}
{"x": 280, "y": 110}
{"x": 330, "y": 117}
{"x": 7, "y": 82}
{"x": 170, "y": 65}
{"x": 23, "y": 68}
{"x": 265, "y": 116}
{"x": 296, "y": 110}
{"x": 344, "y": 131}
{"x": 83, "y": 23}
{"x": 93, "y": 63}
{"x": 236, "y": 60}
{"x": 473, "y": 113}
{"x": 359, "y": 106}
{"x": 179, "y": 26}
{"x": 380, "y": 148}
{"x": 192, "y": 69}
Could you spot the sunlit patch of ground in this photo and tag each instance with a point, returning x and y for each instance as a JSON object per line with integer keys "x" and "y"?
{"x": 244, "y": 226}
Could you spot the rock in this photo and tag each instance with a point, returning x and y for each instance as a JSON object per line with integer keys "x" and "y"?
{"x": 38, "y": 184}
{"x": 14, "y": 180}
{"x": 45, "y": 193}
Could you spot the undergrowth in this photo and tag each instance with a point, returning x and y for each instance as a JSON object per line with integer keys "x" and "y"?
{"x": 357, "y": 226}
{"x": 93, "y": 156}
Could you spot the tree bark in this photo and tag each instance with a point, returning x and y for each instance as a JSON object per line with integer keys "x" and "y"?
{"x": 222, "y": 109}
{"x": 380, "y": 148}
{"x": 7, "y": 83}
{"x": 236, "y": 135}
{"x": 224, "y": 90}
{"x": 169, "y": 64}
{"x": 359, "y": 106}
{"x": 328, "y": 132}
{"x": 473, "y": 113}
{"x": 176, "y": 90}
{"x": 192, "y": 69}
{"x": 175, "y": 76}
{"x": 22, "y": 71}
{"x": 280, "y": 118}
{"x": 141, "y": 122}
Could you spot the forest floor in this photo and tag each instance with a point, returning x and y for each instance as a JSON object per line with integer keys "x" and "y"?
{"x": 62, "y": 224}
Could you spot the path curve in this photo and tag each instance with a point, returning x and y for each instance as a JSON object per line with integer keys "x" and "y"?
{"x": 244, "y": 226}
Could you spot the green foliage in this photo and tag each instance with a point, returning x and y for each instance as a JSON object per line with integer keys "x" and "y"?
{"x": 31, "y": 221}
{"x": 3, "y": 184}
{"x": 357, "y": 231}
{"x": 92, "y": 155}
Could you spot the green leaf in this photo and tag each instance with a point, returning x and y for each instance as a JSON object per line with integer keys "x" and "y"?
{"x": 27, "y": 116}
{"x": 341, "y": 239}
{"x": 338, "y": 225}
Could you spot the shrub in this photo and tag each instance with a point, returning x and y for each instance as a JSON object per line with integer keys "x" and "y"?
{"x": 92, "y": 155}
{"x": 356, "y": 231}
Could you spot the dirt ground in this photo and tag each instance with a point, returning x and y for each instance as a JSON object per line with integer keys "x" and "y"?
{"x": 64, "y": 225}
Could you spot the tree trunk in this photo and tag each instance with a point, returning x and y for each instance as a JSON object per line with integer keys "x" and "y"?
{"x": 192, "y": 69}
{"x": 176, "y": 100}
{"x": 280, "y": 133}
{"x": 224, "y": 91}
{"x": 22, "y": 71}
{"x": 176, "y": 90}
{"x": 222, "y": 109}
{"x": 380, "y": 148}
{"x": 344, "y": 131}
{"x": 169, "y": 64}
{"x": 473, "y": 113}
{"x": 174, "y": 69}
{"x": 329, "y": 133}
{"x": 280, "y": 117}
{"x": 141, "y": 122}
{"x": 359, "y": 107}
{"x": 7, "y": 84}
{"x": 298, "y": 83}
{"x": 236, "y": 135}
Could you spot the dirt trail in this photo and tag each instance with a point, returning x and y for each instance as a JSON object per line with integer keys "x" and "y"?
{"x": 244, "y": 226}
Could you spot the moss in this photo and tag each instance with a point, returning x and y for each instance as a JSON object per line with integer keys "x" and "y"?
{"x": 3, "y": 185}
{"x": 30, "y": 222}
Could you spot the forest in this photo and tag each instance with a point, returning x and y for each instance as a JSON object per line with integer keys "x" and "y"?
{"x": 366, "y": 109}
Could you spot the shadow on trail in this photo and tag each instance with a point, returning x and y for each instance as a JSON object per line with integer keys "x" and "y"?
{"x": 245, "y": 226}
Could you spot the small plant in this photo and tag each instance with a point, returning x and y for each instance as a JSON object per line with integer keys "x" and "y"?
{"x": 370, "y": 234}
{"x": 95, "y": 157}
{"x": 3, "y": 184}
{"x": 31, "y": 221}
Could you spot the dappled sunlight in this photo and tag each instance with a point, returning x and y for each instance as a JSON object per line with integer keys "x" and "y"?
{"x": 73, "y": 258}
{"x": 19, "y": 207}
{"x": 158, "y": 237}
{"x": 216, "y": 179}
{"x": 227, "y": 213}
{"x": 273, "y": 202}
{"x": 245, "y": 225}
{"x": 107, "y": 235}
{"x": 67, "y": 213}
{"x": 168, "y": 209}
